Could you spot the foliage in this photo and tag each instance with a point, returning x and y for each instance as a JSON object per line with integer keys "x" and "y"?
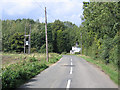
{"x": 14, "y": 43}
{"x": 17, "y": 42}
{"x": 77, "y": 52}
{"x": 43, "y": 48}
{"x": 54, "y": 59}
{"x": 60, "y": 35}
{"x": 33, "y": 59}
{"x": 63, "y": 53}
{"x": 17, "y": 74}
{"x": 101, "y": 31}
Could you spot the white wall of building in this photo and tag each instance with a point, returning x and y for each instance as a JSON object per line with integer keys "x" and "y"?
{"x": 75, "y": 49}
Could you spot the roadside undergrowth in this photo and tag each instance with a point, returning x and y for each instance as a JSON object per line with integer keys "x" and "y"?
{"x": 17, "y": 74}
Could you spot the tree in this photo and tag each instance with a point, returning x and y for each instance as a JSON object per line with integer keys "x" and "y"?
{"x": 100, "y": 26}
{"x": 17, "y": 42}
{"x": 60, "y": 35}
{"x": 57, "y": 25}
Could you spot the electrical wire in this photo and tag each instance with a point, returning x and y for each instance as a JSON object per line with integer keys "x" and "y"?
{"x": 44, "y": 9}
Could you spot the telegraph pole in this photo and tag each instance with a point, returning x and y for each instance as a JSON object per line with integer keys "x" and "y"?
{"x": 81, "y": 43}
{"x": 29, "y": 40}
{"x": 47, "y": 57}
{"x": 25, "y": 40}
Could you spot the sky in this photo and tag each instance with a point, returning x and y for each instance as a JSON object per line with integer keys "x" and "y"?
{"x": 64, "y": 10}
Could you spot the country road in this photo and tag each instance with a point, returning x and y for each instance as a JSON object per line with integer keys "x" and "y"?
{"x": 71, "y": 72}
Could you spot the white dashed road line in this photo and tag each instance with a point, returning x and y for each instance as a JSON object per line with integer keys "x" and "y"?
{"x": 71, "y": 69}
{"x": 68, "y": 84}
{"x": 69, "y": 81}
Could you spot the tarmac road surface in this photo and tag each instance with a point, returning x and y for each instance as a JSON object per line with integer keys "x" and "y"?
{"x": 71, "y": 72}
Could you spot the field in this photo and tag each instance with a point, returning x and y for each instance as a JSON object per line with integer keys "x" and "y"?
{"x": 10, "y": 58}
{"x": 18, "y": 68}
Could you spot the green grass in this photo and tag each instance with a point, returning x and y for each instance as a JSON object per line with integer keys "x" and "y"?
{"x": 17, "y": 73}
{"x": 12, "y": 58}
{"x": 109, "y": 69}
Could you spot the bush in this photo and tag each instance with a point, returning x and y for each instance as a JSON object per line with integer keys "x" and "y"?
{"x": 54, "y": 59}
{"x": 42, "y": 49}
{"x": 33, "y": 50}
{"x": 32, "y": 59}
{"x": 77, "y": 52}
{"x": 64, "y": 52}
{"x": 14, "y": 75}
{"x": 115, "y": 50}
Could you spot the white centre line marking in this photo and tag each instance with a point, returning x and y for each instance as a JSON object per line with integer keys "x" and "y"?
{"x": 71, "y": 69}
{"x": 71, "y": 60}
{"x": 68, "y": 83}
{"x": 71, "y": 63}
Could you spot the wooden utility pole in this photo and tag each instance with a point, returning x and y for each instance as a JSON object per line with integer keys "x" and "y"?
{"x": 47, "y": 57}
{"x": 25, "y": 40}
{"x": 81, "y": 43}
{"x": 29, "y": 40}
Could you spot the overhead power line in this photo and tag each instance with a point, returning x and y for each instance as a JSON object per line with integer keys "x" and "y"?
{"x": 44, "y": 9}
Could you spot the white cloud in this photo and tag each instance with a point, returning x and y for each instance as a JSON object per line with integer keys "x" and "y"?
{"x": 12, "y": 7}
{"x": 66, "y": 11}
{"x": 17, "y": 7}
{"x": 57, "y": 9}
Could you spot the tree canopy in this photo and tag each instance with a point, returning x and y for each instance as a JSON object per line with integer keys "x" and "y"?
{"x": 101, "y": 30}
{"x": 60, "y": 35}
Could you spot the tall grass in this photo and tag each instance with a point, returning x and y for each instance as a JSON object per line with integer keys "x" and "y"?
{"x": 13, "y": 75}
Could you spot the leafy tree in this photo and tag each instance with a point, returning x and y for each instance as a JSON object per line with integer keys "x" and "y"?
{"x": 61, "y": 35}
{"x": 100, "y": 29}
{"x": 57, "y": 25}
{"x": 17, "y": 42}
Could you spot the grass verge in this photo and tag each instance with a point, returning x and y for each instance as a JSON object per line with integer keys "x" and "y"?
{"x": 16, "y": 74}
{"x": 108, "y": 69}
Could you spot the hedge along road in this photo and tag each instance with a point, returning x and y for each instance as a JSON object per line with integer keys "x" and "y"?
{"x": 71, "y": 72}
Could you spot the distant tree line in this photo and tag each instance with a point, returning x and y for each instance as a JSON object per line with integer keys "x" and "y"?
{"x": 61, "y": 35}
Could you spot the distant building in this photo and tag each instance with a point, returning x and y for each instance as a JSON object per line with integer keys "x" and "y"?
{"x": 75, "y": 49}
